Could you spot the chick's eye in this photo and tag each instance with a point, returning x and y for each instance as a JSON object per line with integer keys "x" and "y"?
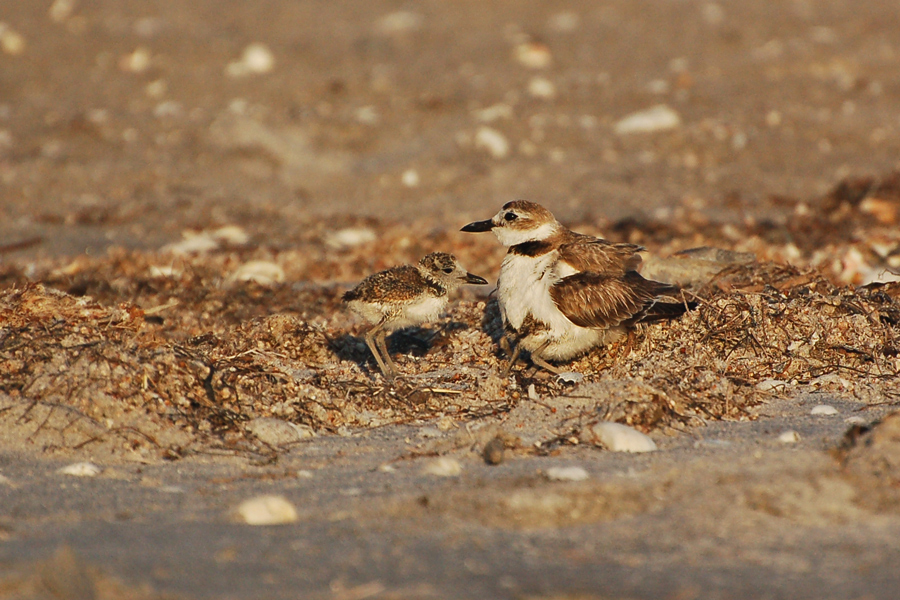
{"x": 448, "y": 270}
{"x": 510, "y": 216}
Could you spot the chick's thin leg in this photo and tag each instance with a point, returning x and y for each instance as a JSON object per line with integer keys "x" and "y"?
{"x": 372, "y": 338}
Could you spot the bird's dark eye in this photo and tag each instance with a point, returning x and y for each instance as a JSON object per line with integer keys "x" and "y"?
{"x": 510, "y": 216}
{"x": 448, "y": 270}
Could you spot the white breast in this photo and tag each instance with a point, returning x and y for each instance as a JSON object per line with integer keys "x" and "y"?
{"x": 421, "y": 311}
{"x": 524, "y": 288}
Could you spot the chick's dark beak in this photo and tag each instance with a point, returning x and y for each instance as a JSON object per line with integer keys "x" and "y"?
{"x": 475, "y": 279}
{"x": 478, "y": 226}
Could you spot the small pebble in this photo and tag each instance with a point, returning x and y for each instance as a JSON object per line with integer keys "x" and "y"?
{"x": 493, "y": 451}
{"x": 621, "y": 438}
{"x": 534, "y": 55}
{"x": 136, "y": 62}
{"x": 443, "y": 467}
{"x": 350, "y": 237}
{"x": 657, "y": 118}
{"x": 789, "y": 437}
{"x": 856, "y": 420}
{"x": 11, "y": 40}
{"x": 410, "y": 178}
{"x": 532, "y": 393}
{"x": 401, "y": 21}
{"x": 768, "y": 385}
{"x": 277, "y": 432}
{"x": 256, "y": 59}
{"x": 81, "y": 469}
{"x": 61, "y": 10}
{"x": 267, "y": 510}
{"x": 491, "y": 140}
{"x": 539, "y": 87}
{"x": 823, "y": 409}
{"x": 567, "y": 474}
{"x": 564, "y": 22}
{"x": 262, "y": 272}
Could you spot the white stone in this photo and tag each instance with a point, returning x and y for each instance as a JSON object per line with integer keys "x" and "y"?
{"x": 11, "y": 40}
{"x": 534, "y": 55}
{"x": 855, "y": 420}
{"x": 621, "y": 438}
{"x": 823, "y": 409}
{"x": 267, "y": 510}
{"x": 193, "y": 243}
{"x": 350, "y": 237}
{"x": 136, "y": 62}
{"x": 493, "y": 113}
{"x": 539, "y": 87}
{"x": 256, "y": 59}
{"x": 410, "y": 178}
{"x": 532, "y": 393}
{"x": 401, "y": 21}
{"x": 443, "y": 467}
{"x": 61, "y": 10}
{"x": 81, "y": 469}
{"x": 567, "y": 474}
{"x": 564, "y": 22}
{"x": 491, "y": 140}
{"x": 768, "y": 385}
{"x": 233, "y": 235}
{"x": 657, "y": 118}
{"x": 277, "y": 432}
{"x": 262, "y": 272}
{"x": 789, "y": 437}
{"x": 712, "y": 13}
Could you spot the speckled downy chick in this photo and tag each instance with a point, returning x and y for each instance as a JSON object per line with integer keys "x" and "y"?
{"x": 406, "y": 296}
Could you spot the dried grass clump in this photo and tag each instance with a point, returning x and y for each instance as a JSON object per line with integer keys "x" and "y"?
{"x": 761, "y": 328}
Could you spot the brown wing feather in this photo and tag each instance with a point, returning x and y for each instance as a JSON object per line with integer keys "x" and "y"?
{"x": 587, "y": 253}
{"x": 600, "y": 301}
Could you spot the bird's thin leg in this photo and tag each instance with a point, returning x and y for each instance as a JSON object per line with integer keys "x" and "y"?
{"x": 513, "y": 355}
{"x": 537, "y": 359}
{"x": 382, "y": 344}
{"x": 372, "y": 342}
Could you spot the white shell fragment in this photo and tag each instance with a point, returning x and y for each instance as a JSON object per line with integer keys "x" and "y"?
{"x": 443, "y": 467}
{"x": 657, "y": 118}
{"x": 621, "y": 438}
{"x": 350, "y": 237}
{"x": 267, "y": 510}
{"x": 262, "y": 272}
{"x": 276, "y": 432}
{"x": 255, "y": 60}
{"x": 11, "y": 40}
{"x": 823, "y": 409}
{"x": 491, "y": 140}
{"x": 567, "y": 474}
{"x": 771, "y": 385}
{"x": 539, "y": 87}
{"x": 81, "y": 469}
{"x": 789, "y": 437}
{"x": 401, "y": 21}
{"x": 570, "y": 377}
{"x": 534, "y": 55}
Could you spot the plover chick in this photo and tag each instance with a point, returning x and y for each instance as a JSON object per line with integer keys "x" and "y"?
{"x": 562, "y": 293}
{"x": 406, "y": 296}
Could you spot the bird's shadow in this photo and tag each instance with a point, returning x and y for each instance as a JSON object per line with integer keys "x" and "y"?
{"x": 415, "y": 341}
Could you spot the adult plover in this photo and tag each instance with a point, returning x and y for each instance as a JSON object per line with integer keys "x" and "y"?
{"x": 406, "y": 296}
{"x": 562, "y": 293}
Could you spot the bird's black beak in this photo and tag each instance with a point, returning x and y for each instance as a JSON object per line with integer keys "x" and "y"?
{"x": 478, "y": 226}
{"x": 475, "y": 279}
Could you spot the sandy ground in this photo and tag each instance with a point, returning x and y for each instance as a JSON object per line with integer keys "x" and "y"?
{"x": 127, "y": 124}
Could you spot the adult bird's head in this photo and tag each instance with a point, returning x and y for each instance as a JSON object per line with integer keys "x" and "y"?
{"x": 518, "y": 222}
